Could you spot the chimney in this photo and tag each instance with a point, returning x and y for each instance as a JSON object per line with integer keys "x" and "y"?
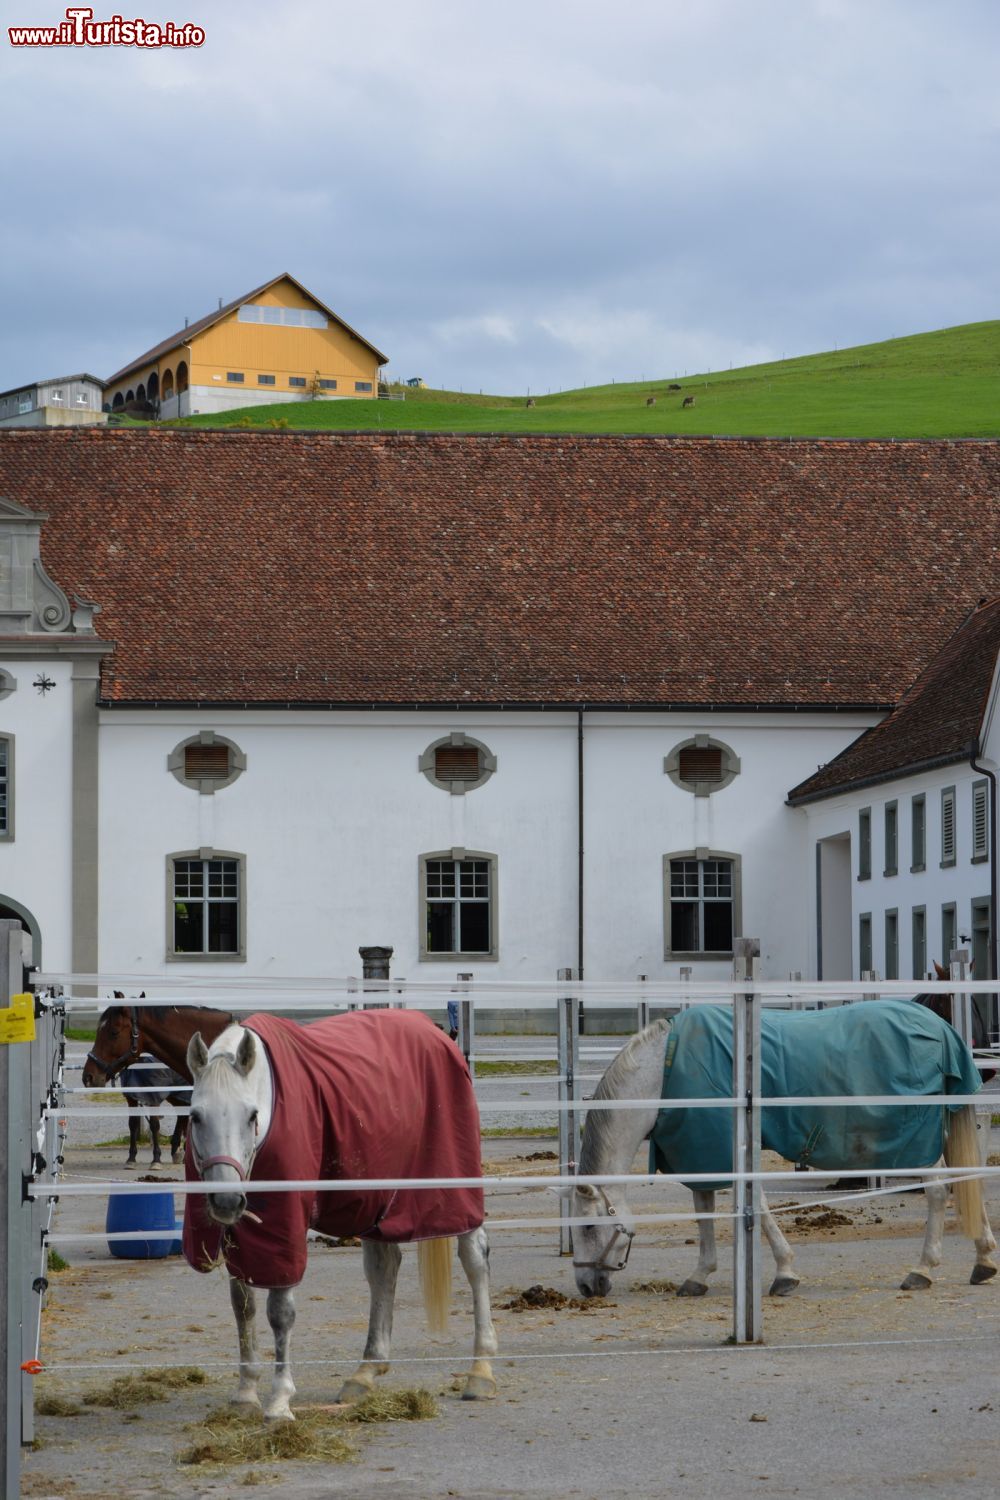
{"x": 185, "y": 322}
{"x": 220, "y": 304}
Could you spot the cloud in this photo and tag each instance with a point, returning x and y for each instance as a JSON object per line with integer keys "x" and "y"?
{"x": 543, "y": 193}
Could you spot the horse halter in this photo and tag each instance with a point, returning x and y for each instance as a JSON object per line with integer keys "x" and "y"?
{"x": 619, "y": 1229}
{"x": 132, "y": 1055}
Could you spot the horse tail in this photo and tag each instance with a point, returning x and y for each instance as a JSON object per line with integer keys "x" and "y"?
{"x": 961, "y": 1149}
{"x": 434, "y": 1264}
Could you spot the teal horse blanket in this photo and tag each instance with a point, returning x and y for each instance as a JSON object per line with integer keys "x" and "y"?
{"x": 875, "y": 1047}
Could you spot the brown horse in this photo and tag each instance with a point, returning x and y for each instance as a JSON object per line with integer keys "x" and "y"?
{"x": 942, "y": 1006}
{"x": 128, "y": 1033}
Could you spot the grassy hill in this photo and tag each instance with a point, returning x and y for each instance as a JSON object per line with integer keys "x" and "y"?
{"x": 942, "y": 384}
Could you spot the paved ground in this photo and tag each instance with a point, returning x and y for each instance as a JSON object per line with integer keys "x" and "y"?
{"x": 860, "y": 1386}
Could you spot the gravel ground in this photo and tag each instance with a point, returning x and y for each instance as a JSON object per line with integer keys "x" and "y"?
{"x": 859, "y": 1386}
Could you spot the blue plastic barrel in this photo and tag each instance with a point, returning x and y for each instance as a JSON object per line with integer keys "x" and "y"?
{"x": 140, "y": 1211}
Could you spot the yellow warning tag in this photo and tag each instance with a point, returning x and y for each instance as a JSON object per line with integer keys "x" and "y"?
{"x": 17, "y": 1020}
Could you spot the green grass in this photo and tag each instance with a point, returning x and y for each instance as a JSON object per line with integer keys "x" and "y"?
{"x": 941, "y": 384}
{"x": 80, "y": 1034}
{"x": 524, "y": 1069}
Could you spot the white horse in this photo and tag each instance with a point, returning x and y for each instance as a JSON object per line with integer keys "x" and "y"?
{"x": 612, "y": 1137}
{"x": 232, "y": 1110}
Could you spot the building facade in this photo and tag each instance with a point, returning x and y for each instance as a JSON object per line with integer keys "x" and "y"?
{"x": 278, "y": 343}
{"x": 506, "y": 705}
{"x": 67, "y": 401}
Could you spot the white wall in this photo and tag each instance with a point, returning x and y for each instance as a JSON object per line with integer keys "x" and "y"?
{"x": 332, "y": 815}
{"x": 35, "y": 866}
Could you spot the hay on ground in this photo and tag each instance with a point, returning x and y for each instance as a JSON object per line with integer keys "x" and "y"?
{"x": 129, "y": 1391}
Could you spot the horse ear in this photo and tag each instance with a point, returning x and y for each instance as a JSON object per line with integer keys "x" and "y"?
{"x": 246, "y": 1053}
{"x": 940, "y": 972}
{"x": 587, "y": 1190}
{"x": 197, "y": 1056}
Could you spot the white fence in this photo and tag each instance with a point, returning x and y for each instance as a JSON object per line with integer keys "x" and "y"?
{"x": 39, "y": 1082}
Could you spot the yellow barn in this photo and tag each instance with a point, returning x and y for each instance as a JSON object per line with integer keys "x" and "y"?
{"x": 277, "y": 343}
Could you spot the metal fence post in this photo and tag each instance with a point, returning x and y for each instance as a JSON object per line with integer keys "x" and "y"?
{"x": 642, "y": 1007}
{"x": 961, "y": 1002}
{"x": 466, "y": 1038}
{"x": 747, "y": 1310}
{"x": 568, "y": 1026}
{"x": 16, "y": 1247}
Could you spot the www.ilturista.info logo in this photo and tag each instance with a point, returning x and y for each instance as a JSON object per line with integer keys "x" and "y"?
{"x": 81, "y": 30}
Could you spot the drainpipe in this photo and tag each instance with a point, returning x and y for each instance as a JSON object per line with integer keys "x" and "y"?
{"x": 579, "y": 850}
{"x": 974, "y": 751}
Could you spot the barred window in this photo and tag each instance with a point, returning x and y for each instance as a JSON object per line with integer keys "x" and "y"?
{"x": 206, "y": 762}
{"x": 6, "y": 769}
{"x": 457, "y": 764}
{"x": 701, "y": 765}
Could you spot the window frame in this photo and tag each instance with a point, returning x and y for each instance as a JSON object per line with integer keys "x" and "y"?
{"x": 948, "y": 796}
{"x": 458, "y": 739}
{"x": 949, "y": 917}
{"x": 711, "y": 955}
{"x": 918, "y": 803}
{"x": 864, "y": 843}
{"x": 426, "y": 955}
{"x": 240, "y": 953}
{"x": 364, "y": 386}
{"x": 206, "y": 785}
{"x": 891, "y": 915}
{"x": 730, "y": 765}
{"x": 890, "y": 837}
{"x": 235, "y": 377}
{"x": 7, "y": 833}
{"x": 266, "y": 379}
{"x": 865, "y": 941}
{"x": 297, "y": 382}
{"x": 918, "y": 912}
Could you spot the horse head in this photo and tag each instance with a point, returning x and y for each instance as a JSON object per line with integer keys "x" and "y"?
{"x": 225, "y": 1118}
{"x": 601, "y": 1246}
{"x": 118, "y": 1042}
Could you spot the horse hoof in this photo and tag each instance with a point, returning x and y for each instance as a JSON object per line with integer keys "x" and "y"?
{"x": 981, "y": 1274}
{"x": 692, "y": 1289}
{"x": 130, "y": 1165}
{"x": 248, "y": 1399}
{"x": 285, "y": 1415}
{"x": 176, "y": 1157}
{"x": 782, "y": 1285}
{"x": 915, "y": 1282}
{"x": 479, "y": 1388}
{"x": 354, "y": 1390}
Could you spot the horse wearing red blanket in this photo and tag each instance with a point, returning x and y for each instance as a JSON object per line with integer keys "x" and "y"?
{"x": 370, "y": 1094}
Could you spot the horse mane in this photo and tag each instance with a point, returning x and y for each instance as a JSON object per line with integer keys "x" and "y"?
{"x": 599, "y": 1123}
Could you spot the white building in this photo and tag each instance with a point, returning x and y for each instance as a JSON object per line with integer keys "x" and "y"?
{"x": 503, "y": 704}
{"x": 66, "y": 401}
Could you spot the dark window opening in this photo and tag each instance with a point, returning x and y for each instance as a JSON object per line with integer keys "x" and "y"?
{"x": 206, "y": 762}
{"x": 206, "y": 906}
{"x": 700, "y": 764}
{"x": 458, "y": 906}
{"x": 456, "y": 763}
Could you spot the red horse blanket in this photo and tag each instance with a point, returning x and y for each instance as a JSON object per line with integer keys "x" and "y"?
{"x": 367, "y": 1094}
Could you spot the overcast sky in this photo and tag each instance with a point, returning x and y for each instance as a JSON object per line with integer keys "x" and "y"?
{"x": 543, "y": 193}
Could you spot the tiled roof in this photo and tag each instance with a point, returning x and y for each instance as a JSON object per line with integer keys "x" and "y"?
{"x": 329, "y": 568}
{"x": 184, "y": 335}
{"x": 934, "y": 723}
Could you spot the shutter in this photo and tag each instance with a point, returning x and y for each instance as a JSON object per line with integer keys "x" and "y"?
{"x": 206, "y": 762}
{"x": 948, "y": 828}
{"x": 457, "y": 763}
{"x": 697, "y": 763}
{"x": 980, "y": 835}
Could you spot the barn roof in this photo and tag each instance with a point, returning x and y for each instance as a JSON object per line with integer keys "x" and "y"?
{"x": 287, "y": 567}
{"x": 189, "y": 331}
{"x": 936, "y": 723}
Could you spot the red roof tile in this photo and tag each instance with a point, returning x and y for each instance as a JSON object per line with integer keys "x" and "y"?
{"x": 299, "y": 567}
{"x": 935, "y": 723}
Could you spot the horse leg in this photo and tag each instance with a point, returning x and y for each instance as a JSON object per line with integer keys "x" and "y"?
{"x": 697, "y": 1284}
{"x": 985, "y": 1268}
{"x": 935, "y": 1196}
{"x": 178, "y": 1138}
{"x": 474, "y": 1253}
{"x": 154, "y": 1136}
{"x": 134, "y": 1126}
{"x": 245, "y": 1308}
{"x": 785, "y": 1279}
{"x": 281, "y": 1316}
{"x": 381, "y": 1263}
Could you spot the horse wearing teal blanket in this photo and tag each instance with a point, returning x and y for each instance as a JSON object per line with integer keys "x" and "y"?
{"x": 878, "y": 1047}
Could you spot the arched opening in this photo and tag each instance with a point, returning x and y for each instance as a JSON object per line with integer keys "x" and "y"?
{"x": 18, "y": 913}
{"x": 182, "y": 376}
{"x": 153, "y": 387}
{"x": 168, "y": 384}
{"x": 129, "y": 396}
{"x": 118, "y": 402}
{"x": 140, "y": 392}
{"x": 106, "y": 407}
